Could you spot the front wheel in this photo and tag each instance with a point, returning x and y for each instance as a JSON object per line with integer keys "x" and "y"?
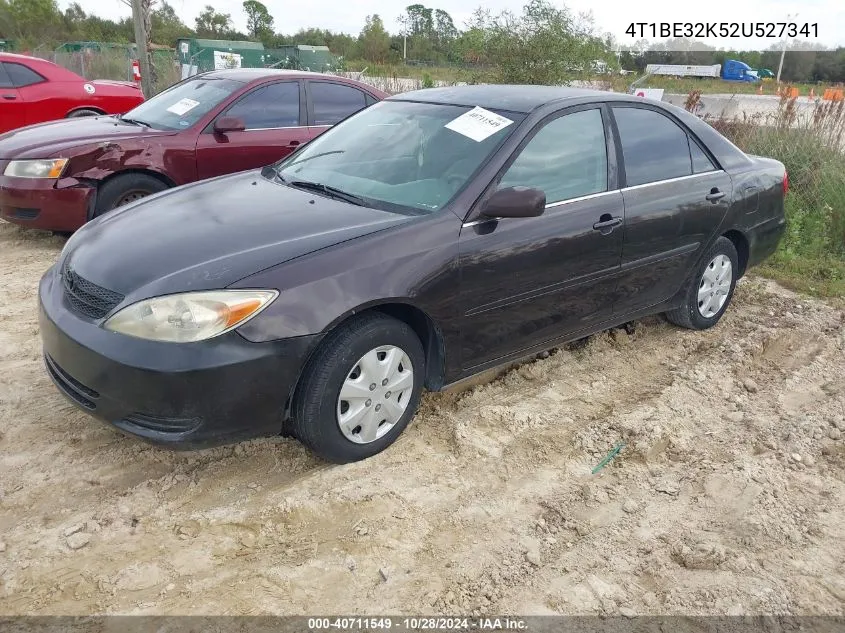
{"x": 710, "y": 294}
{"x": 126, "y": 188}
{"x": 360, "y": 390}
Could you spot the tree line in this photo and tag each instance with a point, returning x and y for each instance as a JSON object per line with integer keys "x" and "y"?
{"x": 544, "y": 43}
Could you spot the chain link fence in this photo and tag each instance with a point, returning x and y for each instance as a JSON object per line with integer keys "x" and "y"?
{"x": 113, "y": 63}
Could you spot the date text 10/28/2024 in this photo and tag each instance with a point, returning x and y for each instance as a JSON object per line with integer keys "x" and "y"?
{"x": 774, "y": 30}
{"x": 422, "y": 623}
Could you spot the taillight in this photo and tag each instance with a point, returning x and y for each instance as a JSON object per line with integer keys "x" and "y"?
{"x": 785, "y": 182}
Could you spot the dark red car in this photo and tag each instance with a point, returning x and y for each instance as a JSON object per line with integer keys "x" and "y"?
{"x": 59, "y": 175}
{"x": 33, "y": 90}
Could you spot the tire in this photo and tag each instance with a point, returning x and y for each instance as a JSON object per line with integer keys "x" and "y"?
{"x": 114, "y": 192}
{"x": 83, "y": 112}
{"x": 318, "y": 407}
{"x": 701, "y": 315}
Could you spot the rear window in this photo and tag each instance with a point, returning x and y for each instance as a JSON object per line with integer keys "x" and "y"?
{"x": 22, "y": 76}
{"x": 334, "y": 102}
{"x": 653, "y": 146}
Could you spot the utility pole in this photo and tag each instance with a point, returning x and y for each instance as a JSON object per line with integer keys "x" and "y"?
{"x": 139, "y": 17}
{"x": 783, "y": 52}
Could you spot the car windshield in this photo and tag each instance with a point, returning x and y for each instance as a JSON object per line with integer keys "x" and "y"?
{"x": 184, "y": 104}
{"x": 397, "y": 155}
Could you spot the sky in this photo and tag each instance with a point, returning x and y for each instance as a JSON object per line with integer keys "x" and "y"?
{"x": 612, "y": 16}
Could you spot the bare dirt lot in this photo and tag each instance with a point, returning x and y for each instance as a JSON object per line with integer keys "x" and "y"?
{"x": 727, "y": 497}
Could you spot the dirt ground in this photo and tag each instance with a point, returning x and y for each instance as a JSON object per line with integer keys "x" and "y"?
{"x": 728, "y": 496}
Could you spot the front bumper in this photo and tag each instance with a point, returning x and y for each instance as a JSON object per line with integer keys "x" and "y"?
{"x": 41, "y": 204}
{"x": 184, "y": 395}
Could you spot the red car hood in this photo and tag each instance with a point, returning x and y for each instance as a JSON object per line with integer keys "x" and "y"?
{"x": 47, "y": 139}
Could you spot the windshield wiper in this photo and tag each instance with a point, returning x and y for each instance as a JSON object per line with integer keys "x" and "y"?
{"x": 332, "y": 192}
{"x": 135, "y": 121}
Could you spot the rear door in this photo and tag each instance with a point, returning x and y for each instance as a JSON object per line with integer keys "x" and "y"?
{"x": 12, "y": 108}
{"x": 675, "y": 197}
{"x": 273, "y": 115}
{"x": 330, "y": 102}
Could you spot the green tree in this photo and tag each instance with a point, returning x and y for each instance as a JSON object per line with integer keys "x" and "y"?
{"x": 259, "y": 22}
{"x": 210, "y": 23}
{"x": 167, "y": 26}
{"x": 544, "y": 45}
{"x": 374, "y": 40}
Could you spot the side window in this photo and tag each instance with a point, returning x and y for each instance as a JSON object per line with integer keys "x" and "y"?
{"x": 701, "y": 163}
{"x": 5, "y": 82}
{"x": 653, "y": 146}
{"x": 334, "y": 102}
{"x": 22, "y": 76}
{"x": 566, "y": 159}
{"x": 272, "y": 106}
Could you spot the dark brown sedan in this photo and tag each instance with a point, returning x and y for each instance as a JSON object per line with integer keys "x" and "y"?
{"x": 427, "y": 238}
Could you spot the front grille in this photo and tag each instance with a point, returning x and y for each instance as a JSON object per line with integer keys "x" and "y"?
{"x": 162, "y": 425}
{"x": 75, "y": 390}
{"x": 86, "y": 297}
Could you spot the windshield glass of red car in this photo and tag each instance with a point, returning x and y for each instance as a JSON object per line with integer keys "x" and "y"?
{"x": 184, "y": 104}
{"x": 414, "y": 156}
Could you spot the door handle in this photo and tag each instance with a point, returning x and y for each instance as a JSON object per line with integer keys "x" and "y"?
{"x": 715, "y": 195}
{"x": 607, "y": 223}
{"x": 293, "y": 143}
{"x": 9, "y": 97}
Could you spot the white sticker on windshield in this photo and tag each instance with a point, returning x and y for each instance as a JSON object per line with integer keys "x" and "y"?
{"x": 182, "y": 106}
{"x": 478, "y": 124}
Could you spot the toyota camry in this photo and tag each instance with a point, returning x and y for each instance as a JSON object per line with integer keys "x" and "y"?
{"x": 425, "y": 239}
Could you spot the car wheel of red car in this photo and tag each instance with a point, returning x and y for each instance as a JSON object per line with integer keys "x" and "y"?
{"x": 124, "y": 189}
{"x": 83, "y": 112}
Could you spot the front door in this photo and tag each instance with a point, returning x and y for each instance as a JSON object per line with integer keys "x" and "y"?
{"x": 12, "y": 106}
{"x": 525, "y": 281}
{"x": 675, "y": 198}
{"x": 274, "y": 123}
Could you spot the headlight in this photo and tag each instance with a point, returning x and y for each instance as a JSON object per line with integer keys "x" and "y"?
{"x": 48, "y": 168}
{"x": 190, "y": 317}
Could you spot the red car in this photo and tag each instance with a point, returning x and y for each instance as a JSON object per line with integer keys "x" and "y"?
{"x": 59, "y": 175}
{"x": 34, "y": 90}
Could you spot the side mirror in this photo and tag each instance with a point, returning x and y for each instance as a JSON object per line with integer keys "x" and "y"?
{"x": 228, "y": 124}
{"x": 515, "y": 202}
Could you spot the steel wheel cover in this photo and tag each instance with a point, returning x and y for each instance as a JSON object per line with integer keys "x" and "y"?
{"x": 375, "y": 394}
{"x": 714, "y": 286}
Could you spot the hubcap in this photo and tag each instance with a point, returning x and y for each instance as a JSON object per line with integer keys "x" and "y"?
{"x": 375, "y": 394}
{"x": 715, "y": 285}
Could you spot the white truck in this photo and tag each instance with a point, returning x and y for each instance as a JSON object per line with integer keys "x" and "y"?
{"x": 679, "y": 70}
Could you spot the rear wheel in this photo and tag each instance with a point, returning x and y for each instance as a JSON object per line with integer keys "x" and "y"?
{"x": 124, "y": 189}
{"x": 360, "y": 390}
{"x": 710, "y": 294}
{"x": 83, "y": 112}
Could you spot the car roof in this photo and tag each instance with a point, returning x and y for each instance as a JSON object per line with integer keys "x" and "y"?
{"x": 15, "y": 57}
{"x": 252, "y": 74}
{"x": 515, "y": 98}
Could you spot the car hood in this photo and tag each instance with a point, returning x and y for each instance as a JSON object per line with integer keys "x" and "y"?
{"x": 211, "y": 234}
{"x": 46, "y": 139}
